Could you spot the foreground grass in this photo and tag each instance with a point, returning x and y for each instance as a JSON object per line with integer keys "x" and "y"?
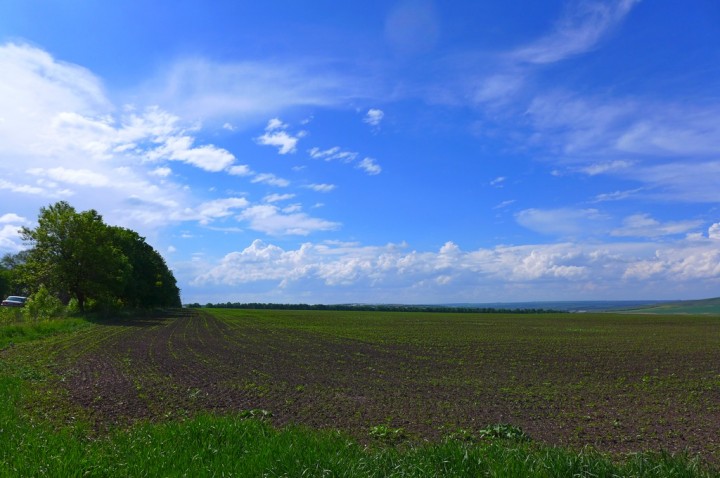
{"x": 232, "y": 446}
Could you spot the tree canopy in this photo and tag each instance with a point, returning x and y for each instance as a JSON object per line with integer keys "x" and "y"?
{"x": 77, "y": 256}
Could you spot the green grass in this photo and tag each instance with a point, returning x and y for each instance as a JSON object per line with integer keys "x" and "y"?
{"x": 233, "y": 445}
{"x": 26, "y": 331}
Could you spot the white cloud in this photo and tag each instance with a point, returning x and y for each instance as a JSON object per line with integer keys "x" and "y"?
{"x": 10, "y": 239}
{"x": 616, "y": 195}
{"x": 275, "y": 123}
{"x": 606, "y": 167}
{"x": 246, "y": 91}
{"x": 498, "y": 182}
{"x": 270, "y": 220}
{"x": 321, "y": 188}
{"x": 12, "y": 218}
{"x": 505, "y": 204}
{"x": 162, "y": 172}
{"x": 530, "y": 272}
{"x": 270, "y": 198}
{"x": 373, "y": 117}
{"x": 180, "y": 148}
{"x": 580, "y": 30}
{"x": 240, "y": 170}
{"x": 20, "y": 188}
{"x": 370, "y": 166}
{"x": 563, "y": 221}
{"x": 714, "y": 231}
{"x": 274, "y": 136}
{"x": 82, "y": 177}
{"x": 271, "y": 179}
{"x": 673, "y": 129}
{"x": 219, "y": 208}
{"x": 332, "y": 153}
{"x": 642, "y": 225}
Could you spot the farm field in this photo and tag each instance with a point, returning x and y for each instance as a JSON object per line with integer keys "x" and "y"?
{"x": 620, "y": 383}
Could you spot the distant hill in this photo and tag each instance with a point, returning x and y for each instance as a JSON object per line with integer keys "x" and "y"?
{"x": 703, "y": 306}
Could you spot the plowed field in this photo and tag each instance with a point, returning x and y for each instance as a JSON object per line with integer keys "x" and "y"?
{"x": 619, "y": 383}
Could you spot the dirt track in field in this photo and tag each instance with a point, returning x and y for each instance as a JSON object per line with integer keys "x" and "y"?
{"x": 174, "y": 367}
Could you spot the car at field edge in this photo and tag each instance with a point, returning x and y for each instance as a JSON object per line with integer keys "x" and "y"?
{"x": 14, "y": 301}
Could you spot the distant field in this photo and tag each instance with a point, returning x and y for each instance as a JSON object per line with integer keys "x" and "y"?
{"x": 618, "y": 382}
{"x": 705, "y": 306}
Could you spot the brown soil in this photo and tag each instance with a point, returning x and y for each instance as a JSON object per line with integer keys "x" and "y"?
{"x": 174, "y": 367}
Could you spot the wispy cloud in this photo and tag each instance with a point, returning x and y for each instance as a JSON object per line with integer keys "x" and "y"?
{"x": 321, "y": 188}
{"x": 271, "y": 179}
{"x": 271, "y": 220}
{"x": 643, "y": 225}
{"x": 564, "y": 222}
{"x": 334, "y": 153}
{"x": 246, "y": 91}
{"x": 581, "y": 28}
{"x": 370, "y": 166}
{"x": 270, "y": 198}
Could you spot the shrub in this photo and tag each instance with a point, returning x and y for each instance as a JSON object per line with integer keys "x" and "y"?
{"x": 42, "y": 305}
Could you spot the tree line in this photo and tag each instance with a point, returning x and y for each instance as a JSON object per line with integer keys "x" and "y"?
{"x": 375, "y": 308}
{"x": 77, "y": 257}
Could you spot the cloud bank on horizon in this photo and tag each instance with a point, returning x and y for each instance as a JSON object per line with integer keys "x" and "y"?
{"x": 415, "y": 153}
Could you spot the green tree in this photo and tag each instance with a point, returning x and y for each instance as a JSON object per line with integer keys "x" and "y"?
{"x": 76, "y": 256}
{"x": 150, "y": 282}
{"x": 73, "y": 255}
{"x": 10, "y": 279}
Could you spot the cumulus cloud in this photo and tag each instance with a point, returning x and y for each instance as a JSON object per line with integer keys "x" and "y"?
{"x": 276, "y": 135}
{"x": 10, "y": 240}
{"x": 351, "y": 269}
{"x": 180, "y": 148}
{"x": 240, "y": 170}
{"x": 714, "y": 231}
{"x": 72, "y": 142}
{"x": 162, "y": 172}
{"x": 12, "y": 218}
{"x": 373, "y": 117}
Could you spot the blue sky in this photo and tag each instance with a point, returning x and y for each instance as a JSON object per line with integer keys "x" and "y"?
{"x": 383, "y": 151}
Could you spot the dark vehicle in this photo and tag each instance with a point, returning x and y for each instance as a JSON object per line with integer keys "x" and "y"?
{"x": 14, "y": 301}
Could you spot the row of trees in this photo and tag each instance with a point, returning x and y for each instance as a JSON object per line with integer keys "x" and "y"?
{"x": 375, "y": 308}
{"x": 75, "y": 255}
